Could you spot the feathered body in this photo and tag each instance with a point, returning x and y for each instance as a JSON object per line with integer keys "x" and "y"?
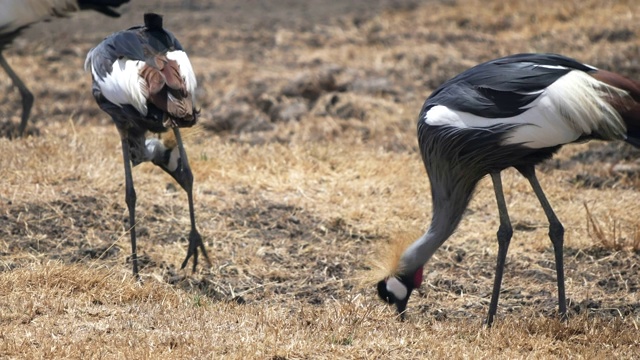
{"x": 514, "y": 111}
{"x": 144, "y": 80}
{"x": 17, "y": 15}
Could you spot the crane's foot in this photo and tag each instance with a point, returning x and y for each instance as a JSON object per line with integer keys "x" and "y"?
{"x": 488, "y": 322}
{"x": 564, "y": 317}
{"x": 195, "y": 244}
{"x": 134, "y": 260}
{"x": 10, "y": 131}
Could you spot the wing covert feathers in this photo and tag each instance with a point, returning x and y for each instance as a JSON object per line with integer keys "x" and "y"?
{"x": 166, "y": 89}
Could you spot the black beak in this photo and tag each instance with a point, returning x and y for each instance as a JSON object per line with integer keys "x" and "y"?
{"x": 384, "y": 294}
{"x": 401, "y": 305}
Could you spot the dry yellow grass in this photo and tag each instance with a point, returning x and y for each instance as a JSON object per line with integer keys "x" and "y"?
{"x": 294, "y": 214}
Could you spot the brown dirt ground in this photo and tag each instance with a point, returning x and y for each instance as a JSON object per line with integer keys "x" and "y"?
{"x": 306, "y": 165}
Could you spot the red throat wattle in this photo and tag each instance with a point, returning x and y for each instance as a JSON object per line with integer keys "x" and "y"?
{"x": 417, "y": 278}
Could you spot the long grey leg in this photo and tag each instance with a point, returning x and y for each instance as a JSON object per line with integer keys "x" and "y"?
{"x": 130, "y": 198}
{"x": 184, "y": 177}
{"x": 27, "y": 96}
{"x": 556, "y": 234}
{"x": 505, "y": 231}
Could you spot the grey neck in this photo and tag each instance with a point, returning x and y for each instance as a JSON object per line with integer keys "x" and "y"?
{"x": 449, "y": 203}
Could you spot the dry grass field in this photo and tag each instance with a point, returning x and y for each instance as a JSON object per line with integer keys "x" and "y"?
{"x": 305, "y": 166}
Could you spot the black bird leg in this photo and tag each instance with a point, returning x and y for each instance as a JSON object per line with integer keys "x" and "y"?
{"x": 27, "y": 96}
{"x": 556, "y": 234}
{"x": 130, "y": 198}
{"x": 505, "y": 231}
{"x": 184, "y": 177}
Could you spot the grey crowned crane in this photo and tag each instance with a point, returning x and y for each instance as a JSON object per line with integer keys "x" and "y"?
{"x": 143, "y": 79}
{"x": 516, "y": 112}
{"x": 17, "y": 15}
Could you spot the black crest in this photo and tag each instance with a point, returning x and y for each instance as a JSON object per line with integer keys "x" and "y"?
{"x": 153, "y": 21}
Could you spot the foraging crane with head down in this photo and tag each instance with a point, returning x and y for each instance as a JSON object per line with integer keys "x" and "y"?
{"x": 17, "y": 15}
{"x": 144, "y": 80}
{"x": 516, "y": 112}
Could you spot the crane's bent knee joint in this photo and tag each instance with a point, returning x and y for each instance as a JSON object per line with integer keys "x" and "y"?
{"x": 505, "y": 232}
{"x": 130, "y": 197}
{"x": 556, "y": 232}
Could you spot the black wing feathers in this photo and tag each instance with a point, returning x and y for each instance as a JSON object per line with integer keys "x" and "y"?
{"x": 126, "y": 44}
{"x": 544, "y": 59}
{"x": 136, "y": 43}
{"x": 503, "y": 87}
{"x": 119, "y": 45}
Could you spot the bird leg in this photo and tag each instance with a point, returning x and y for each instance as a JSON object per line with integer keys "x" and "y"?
{"x": 130, "y": 198}
{"x": 556, "y": 234}
{"x": 182, "y": 174}
{"x": 27, "y": 96}
{"x": 505, "y": 231}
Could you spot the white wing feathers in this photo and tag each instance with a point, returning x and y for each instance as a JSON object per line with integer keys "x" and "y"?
{"x": 124, "y": 85}
{"x": 573, "y": 106}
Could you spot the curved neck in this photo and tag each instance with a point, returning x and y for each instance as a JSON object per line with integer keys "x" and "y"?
{"x": 450, "y": 199}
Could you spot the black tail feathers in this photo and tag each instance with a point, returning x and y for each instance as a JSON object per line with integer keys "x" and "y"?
{"x": 635, "y": 141}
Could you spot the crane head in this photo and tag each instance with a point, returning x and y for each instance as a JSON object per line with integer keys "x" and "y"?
{"x": 397, "y": 289}
{"x": 399, "y": 277}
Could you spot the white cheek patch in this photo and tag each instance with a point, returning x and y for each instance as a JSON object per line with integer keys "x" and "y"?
{"x": 397, "y": 288}
{"x": 173, "y": 159}
{"x": 153, "y": 146}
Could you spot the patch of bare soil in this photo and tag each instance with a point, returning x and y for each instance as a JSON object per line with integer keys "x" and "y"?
{"x": 59, "y": 229}
{"x": 307, "y": 258}
{"x": 289, "y": 241}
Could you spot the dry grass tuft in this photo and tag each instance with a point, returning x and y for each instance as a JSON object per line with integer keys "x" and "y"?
{"x": 614, "y": 237}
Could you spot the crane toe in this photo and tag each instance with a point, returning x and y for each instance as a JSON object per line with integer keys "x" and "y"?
{"x": 195, "y": 244}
